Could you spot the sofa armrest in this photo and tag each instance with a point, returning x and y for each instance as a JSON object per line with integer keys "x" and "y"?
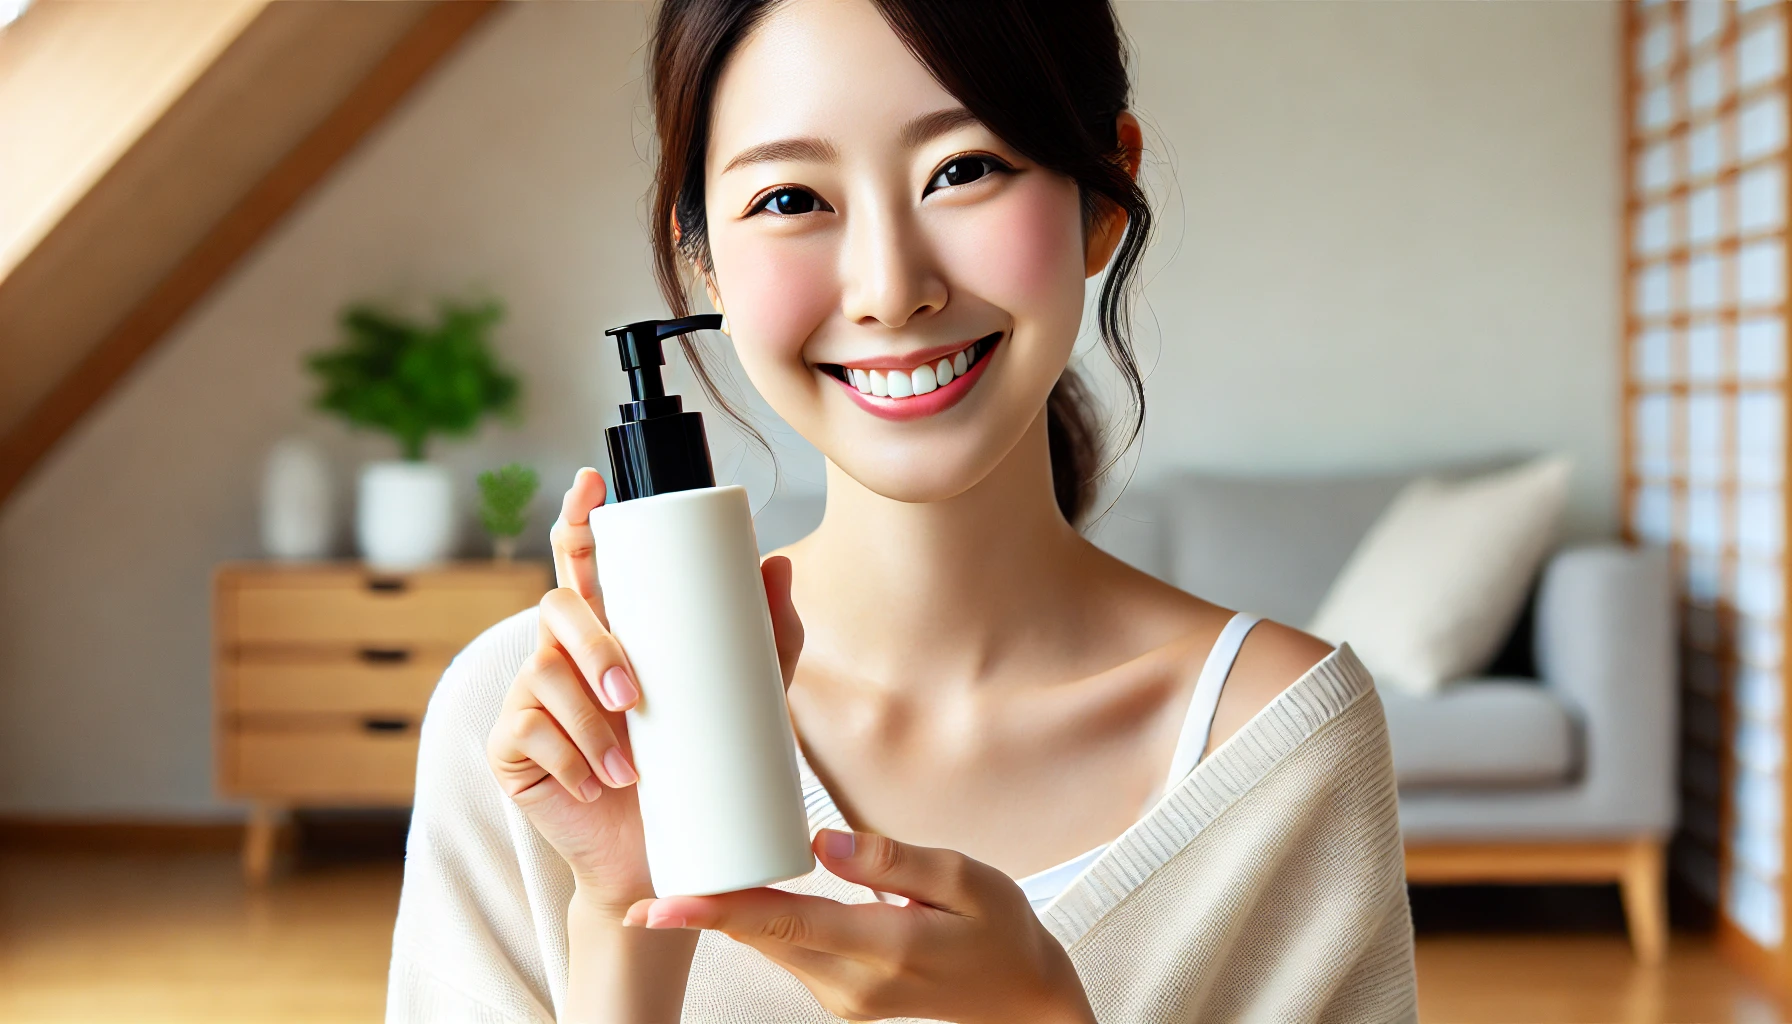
{"x": 1605, "y": 642}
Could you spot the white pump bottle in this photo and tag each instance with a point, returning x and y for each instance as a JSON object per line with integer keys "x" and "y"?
{"x": 678, "y": 564}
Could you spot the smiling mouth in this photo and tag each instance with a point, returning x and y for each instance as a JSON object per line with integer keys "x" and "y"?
{"x": 897, "y": 383}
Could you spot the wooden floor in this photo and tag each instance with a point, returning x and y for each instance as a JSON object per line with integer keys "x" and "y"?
{"x": 178, "y": 937}
{"x": 174, "y": 937}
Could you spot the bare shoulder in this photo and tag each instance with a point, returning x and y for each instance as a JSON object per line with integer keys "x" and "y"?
{"x": 1272, "y": 658}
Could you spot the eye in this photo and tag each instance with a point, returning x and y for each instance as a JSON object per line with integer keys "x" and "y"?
{"x": 789, "y": 202}
{"x": 962, "y": 170}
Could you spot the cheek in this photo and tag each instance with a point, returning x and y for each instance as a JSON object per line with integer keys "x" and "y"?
{"x": 1023, "y": 253}
{"x": 777, "y": 294}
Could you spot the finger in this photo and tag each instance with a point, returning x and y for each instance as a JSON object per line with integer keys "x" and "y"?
{"x": 823, "y": 974}
{"x": 767, "y": 916}
{"x": 939, "y": 878}
{"x": 527, "y": 748}
{"x": 559, "y": 690}
{"x": 574, "y": 564}
{"x": 570, "y": 624}
{"x": 787, "y": 627}
{"x": 817, "y": 970}
{"x": 809, "y": 965}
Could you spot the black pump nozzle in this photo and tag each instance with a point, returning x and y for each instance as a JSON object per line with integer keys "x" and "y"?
{"x": 642, "y": 355}
{"x": 658, "y": 447}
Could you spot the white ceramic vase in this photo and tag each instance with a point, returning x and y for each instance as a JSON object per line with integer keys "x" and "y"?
{"x": 405, "y": 516}
{"x": 298, "y": 515}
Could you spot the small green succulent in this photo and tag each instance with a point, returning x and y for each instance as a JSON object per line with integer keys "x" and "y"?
{"x": 505, "y": 494}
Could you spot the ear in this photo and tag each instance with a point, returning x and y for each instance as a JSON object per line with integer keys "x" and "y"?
{"x": 709, "y": 286}
{"x": 1110, "y": 226}
{"x": 715, "y": 298}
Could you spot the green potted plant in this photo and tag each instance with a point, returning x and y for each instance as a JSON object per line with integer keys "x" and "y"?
{"x": 504, "y": 495}
{"x": 413, "y": 381}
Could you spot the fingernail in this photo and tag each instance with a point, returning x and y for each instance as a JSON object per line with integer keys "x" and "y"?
{"x": 621, "y": 772}
{"x": 835, "y": 843}
{"x": 618, "y": 688}
{"x": 591, "y": 789}
{"x": 664, "y": 919}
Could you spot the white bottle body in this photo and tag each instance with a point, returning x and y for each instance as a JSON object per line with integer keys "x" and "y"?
{"x": 721, "y": 798}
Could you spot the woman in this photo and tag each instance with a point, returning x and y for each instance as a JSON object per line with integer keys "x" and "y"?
{"x": 895, "y": 204}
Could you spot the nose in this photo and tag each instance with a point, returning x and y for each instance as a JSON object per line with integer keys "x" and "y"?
{"x": 891, "y": 274}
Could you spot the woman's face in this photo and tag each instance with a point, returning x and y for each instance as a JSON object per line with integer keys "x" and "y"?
{"x": 863, "y": 225}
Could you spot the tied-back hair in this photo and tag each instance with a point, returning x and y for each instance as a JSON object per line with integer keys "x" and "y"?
{"x": 1050, "y": 79}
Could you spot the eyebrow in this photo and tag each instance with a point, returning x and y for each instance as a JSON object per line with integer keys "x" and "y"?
{"x": 913, "y": 133}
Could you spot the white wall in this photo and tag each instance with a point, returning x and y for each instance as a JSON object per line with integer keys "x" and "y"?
{"x": 1390, "y": 236}
{"x": 514, "y": 170}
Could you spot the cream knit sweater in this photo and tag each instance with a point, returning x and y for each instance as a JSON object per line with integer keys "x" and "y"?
{"x": 1268, "y": 886}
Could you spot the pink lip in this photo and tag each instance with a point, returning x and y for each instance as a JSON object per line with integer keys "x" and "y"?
{"x": 936, "y": 401}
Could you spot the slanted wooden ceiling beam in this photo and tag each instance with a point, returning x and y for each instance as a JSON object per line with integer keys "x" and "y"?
{"x": 41, "y": 301}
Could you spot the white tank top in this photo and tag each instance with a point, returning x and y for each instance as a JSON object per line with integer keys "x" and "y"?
{"x": 1044, "y": 886}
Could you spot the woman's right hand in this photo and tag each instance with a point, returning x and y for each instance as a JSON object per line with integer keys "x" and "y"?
{"x": 560, "y": 746}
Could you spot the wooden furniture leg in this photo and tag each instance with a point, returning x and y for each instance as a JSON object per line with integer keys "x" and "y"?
{"x": 1644, "y": 888}
{"x": 258, "y": 842}
{"x": 1637, "y": 865}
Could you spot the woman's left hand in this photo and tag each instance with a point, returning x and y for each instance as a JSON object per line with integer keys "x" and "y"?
{"x": 966, "y": 948}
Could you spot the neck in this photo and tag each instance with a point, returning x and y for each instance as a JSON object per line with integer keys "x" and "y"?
{"x": 946, "y": 589}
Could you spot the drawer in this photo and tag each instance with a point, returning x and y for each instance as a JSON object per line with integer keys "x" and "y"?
{"x": 444, "y": 611}
{"x": 391, "y": 681}
{"x": 339, "y": 765}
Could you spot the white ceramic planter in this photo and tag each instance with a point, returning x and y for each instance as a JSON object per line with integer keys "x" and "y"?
{"x": 298, "y": 515}
{"x": 405, "y": 516}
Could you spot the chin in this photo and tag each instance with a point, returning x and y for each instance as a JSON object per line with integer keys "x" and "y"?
{"x": 920, "y": 473}
{"x": 916, "y": 488}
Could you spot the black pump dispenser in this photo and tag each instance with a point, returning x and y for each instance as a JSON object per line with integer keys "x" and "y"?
{"x": 658, "y": 447}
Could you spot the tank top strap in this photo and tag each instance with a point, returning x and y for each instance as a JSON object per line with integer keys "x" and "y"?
{"x": 1198, "y": 724}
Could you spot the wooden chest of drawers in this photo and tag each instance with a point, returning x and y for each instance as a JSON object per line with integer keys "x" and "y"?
{"x": 322, "y": 672}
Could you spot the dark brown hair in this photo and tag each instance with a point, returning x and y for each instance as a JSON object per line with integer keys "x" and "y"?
{"x": 1049, "y": 79}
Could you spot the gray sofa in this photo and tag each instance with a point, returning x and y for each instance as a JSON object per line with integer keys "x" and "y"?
{"x": 1557, "y": 764}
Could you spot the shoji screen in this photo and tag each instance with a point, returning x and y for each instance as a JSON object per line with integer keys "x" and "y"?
{"x": 1705, "y": 404}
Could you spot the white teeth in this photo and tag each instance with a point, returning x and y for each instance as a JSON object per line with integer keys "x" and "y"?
{"x": 924, "y": 379}
{"x": 908, "y": 383}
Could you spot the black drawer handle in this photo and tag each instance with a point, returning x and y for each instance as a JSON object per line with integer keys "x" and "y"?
{"x": 386, "y": 584}
{"x": 385, "y": 655}
{"x": 385, "y": 724}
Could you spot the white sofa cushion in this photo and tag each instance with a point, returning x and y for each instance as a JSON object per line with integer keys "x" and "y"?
{"x": 1481, "y": 732}
{"x": 1438, "y": 582}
